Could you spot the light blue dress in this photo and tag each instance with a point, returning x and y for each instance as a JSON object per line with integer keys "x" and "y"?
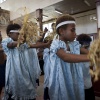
{"x": 86, "y": 75}
{"x": 77, "y": 72}
{"x": 61, "y": 80}
{"x": 22, "y": 70}
{"x": 46, "y": 58}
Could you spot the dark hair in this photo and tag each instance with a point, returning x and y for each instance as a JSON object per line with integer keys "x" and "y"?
{"x": 62, "y": 19}
{"x": 12, "y": 27}
{"x": 84, "y": 38}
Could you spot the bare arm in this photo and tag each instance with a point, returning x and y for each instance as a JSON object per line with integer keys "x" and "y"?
{"x": 71, "y": 58}
{"x": 40, "y": 45}
{"x": 1, "y": 48}
{"x": 12, "y": 45}
{"x": 84, "y": 51}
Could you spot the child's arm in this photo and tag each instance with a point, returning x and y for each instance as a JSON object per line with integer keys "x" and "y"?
{"x": 37, "y": 45}
{"x": 84, "y": 51}
{"x": 12, "y": 44}
{"x": 1, "y": 49}
{"x": 40, "y": 45}
{"x": 71, "y": 58}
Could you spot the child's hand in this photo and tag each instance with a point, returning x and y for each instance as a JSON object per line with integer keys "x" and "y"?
{"x": 49, "y": 43}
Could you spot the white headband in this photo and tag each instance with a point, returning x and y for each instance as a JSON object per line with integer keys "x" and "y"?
{"x": 65, "y": 22}
{"x": 14, "y": 31}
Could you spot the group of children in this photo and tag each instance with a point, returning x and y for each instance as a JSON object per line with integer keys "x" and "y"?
{"x": 64, "y": 62}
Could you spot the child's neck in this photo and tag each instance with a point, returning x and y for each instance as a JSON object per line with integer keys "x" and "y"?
{"x": 62, "y": 39}
{"x": 66, "y": 41}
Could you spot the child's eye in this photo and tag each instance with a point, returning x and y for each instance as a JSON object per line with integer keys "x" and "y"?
{"x": 72, "y": 30}
{"x": 17, "y": 33}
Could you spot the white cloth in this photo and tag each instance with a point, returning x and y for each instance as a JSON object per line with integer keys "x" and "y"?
{"x": 86, "y": 75}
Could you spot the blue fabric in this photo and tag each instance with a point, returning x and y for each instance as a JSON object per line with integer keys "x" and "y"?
{"x": 46, "y": 58}
{"x": 77, "y": 73}
{"x": 60, "y": 81}
{"x": 86, "y": 75}
{"x": 22, "y": 70}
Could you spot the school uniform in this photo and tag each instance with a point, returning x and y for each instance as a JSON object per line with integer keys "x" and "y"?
{"x": 46, "y": 58}
{"x": 77, "y": 73}
{"x": 22, "y": 70}
{"x": 82, "y": 68}
{"x": 61, "y": 85}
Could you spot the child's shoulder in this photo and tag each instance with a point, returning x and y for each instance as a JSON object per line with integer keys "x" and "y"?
{"x": 57, "y": 44}
{"x": 4, "y": 44}
{"x": 75, "y": 43}
{"x": 8, "y": 39}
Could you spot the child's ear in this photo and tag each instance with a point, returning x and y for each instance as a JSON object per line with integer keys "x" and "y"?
{"x": 9, "y": 34}
{"x": 61, "y": 31}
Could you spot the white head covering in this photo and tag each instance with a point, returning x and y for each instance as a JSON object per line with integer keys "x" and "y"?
{"x": 64, "y": 23}
{"x": 14, "y": 31}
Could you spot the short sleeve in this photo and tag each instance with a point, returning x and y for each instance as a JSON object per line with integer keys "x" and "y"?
{"x": 56, "y": 45}
{"x": 4, "y": 44}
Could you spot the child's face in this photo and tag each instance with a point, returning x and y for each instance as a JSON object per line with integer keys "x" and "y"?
{"x": 0, "y": 37}
{"x": 69, "y": 34}
{"x": 14, "y": 35}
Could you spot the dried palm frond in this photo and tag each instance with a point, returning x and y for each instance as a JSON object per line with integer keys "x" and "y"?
{"x": 29, "y": 31}
{"x": 94, "y": 55}
{"x": 51, "y": 35}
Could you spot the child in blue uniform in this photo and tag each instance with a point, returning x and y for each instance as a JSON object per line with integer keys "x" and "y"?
{"x": 85, "y": 41}
{"x": 46, "y": 58}
{"x": 22, "y": 68}
{"x": 63, "y": 70}
{"x": 76, "y": 71}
